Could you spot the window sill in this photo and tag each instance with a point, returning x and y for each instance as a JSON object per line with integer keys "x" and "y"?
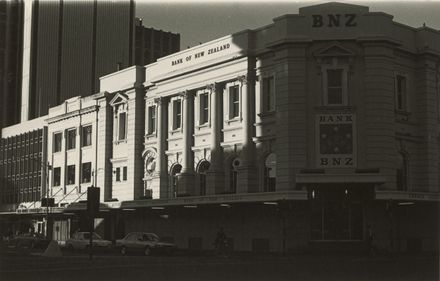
{"x": 120, "y": 141}
{"x": 267, "y": 113}
{"x": 232, "y": 120}
{"x": 205, "y": 125}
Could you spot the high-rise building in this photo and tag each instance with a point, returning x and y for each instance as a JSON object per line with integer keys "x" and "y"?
{"x": 11, "y": 16}
{"x": 68, "y": 45}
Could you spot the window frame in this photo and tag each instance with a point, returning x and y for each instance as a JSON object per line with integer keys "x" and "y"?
{"x": 177, "y": 104}
{"x": 344, "y": 83}
{"x": 70, "y": 145}
{"x": 124, "y": 137}
{"x": 204, "y": 108}
{"x": 82, "y": 172}
{"x": 118, "y": 174}
{"x": 54, "y": 142}
{"x": 124, "y": 173}
{"x": 68, "y": 174}
{"x": 268, "y": 98}
{"x": 404, "y": 95}
{"x": 151, "y": 119}
{"x": 84, "y": 133}
{"x": 231, "y": 102}
{"x": 59, "y": 177}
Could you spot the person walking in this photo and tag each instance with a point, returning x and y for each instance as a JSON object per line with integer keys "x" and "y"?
{"x": 220, "y": 242}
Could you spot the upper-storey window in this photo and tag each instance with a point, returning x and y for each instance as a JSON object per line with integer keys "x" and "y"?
{"x": 71, "y": 139}
{"x": 57, "y": 139}
{"x": 204, "y": 108}
{"x": 151, "y": 119}
{"x": 268, "y": 94}
{"x": 122, "y": 126}
{"x": 87, "y": 135}
{"x": 400, "y": 92}
{"x": 177, "y": 114}
{"x": 120, "y": 117}
{"x": 234, "y": 102}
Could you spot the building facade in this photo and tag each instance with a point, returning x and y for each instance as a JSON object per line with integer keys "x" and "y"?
{"x": 11, "y": 17}
{"x": 300, "y": 135}
{"x": 64, "y": 57}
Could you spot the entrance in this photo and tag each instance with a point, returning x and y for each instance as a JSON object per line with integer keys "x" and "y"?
{"x": 337, "y": 212}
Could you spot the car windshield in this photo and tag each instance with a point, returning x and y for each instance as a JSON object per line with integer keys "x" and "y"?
{"x": 153, "y": 237}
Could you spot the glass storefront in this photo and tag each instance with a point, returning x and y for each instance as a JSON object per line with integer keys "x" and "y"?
{"x": 337, "y": 212}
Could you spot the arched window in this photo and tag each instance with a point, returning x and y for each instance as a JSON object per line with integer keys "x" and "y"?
{"x": 203, "y": 168}
{"x": 175, "y": 170}
{"x": 402, "y": 171}
{"x": 270, "y": 172}
{"x": 233, "y": 175}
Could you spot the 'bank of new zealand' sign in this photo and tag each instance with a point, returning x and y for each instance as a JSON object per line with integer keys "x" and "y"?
{"x": 335, "y": 140}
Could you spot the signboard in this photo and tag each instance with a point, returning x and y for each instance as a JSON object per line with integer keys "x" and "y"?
{"x": 336, "y": 140}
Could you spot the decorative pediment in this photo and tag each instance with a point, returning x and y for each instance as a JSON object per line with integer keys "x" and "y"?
{"x": 118, "y": 99}
{"x": 334, "y": 50}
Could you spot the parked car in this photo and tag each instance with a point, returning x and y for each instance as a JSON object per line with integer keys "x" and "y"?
{"x": 81, "y": 240}
{"x": 30, "y": 241}
{"x": 146, "y": 243}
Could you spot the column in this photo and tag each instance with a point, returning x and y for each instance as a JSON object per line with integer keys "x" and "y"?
{"x": 248, "y": 177}
{"x": 160, "y": 181}
{"x": 186, "y": 177}
{"x": 215, "y": 174}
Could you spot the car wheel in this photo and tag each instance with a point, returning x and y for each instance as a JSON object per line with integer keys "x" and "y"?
{"x": 123, "y": 250}
{"x": 147, "y": 251}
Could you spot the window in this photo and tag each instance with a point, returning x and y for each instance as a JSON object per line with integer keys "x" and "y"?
{"x": 124, "y": 173}
{"x": 234, "y": 102}
{"x": 204, "y": 107}
{"x": 334, "y": 87}
{"x": 269, "y": 94}
{"x": 151, "y": 119}
{"x": 174, "y": 179}
{"x": 203, "y": 168}
{"x": 57, "y": 138}
{"x": 118, "y": 174}
{"x": 56, "y": 176}
{"x": 233, "y": 175}
{"x": 402, "y": 172}
{"x": 71, "y": 139}
{"x": 71, "y": 174}
{"x": 177, "y": 114}
{"x": 122, "y": 123}
{"x": 87, "y": 135}
{"x": 86, "y": 172}
{"x": 400, "y": 92}
{"x": 270, "y": 172}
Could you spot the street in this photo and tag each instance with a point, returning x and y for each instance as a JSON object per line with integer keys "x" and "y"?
{"x": 208, "y": 267}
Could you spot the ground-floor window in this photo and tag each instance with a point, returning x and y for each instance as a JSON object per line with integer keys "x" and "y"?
{"x": 337, "y": 213}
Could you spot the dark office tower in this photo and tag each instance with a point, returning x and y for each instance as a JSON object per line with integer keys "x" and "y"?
{"x": 152, "y": 44}
{"x": 11, "y": 33}
{"x": 70, "y": 44}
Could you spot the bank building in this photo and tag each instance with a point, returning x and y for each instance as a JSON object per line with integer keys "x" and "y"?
{"x": 299, "y": 135}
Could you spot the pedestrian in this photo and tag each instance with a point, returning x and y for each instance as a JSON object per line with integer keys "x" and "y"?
{"x": 220, "y": 242}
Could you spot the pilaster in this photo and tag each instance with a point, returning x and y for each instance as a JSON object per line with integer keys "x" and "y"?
{"x": 215, "y": 174}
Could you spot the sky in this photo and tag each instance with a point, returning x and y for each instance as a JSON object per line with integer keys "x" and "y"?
{"x": 199, "y": 22}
